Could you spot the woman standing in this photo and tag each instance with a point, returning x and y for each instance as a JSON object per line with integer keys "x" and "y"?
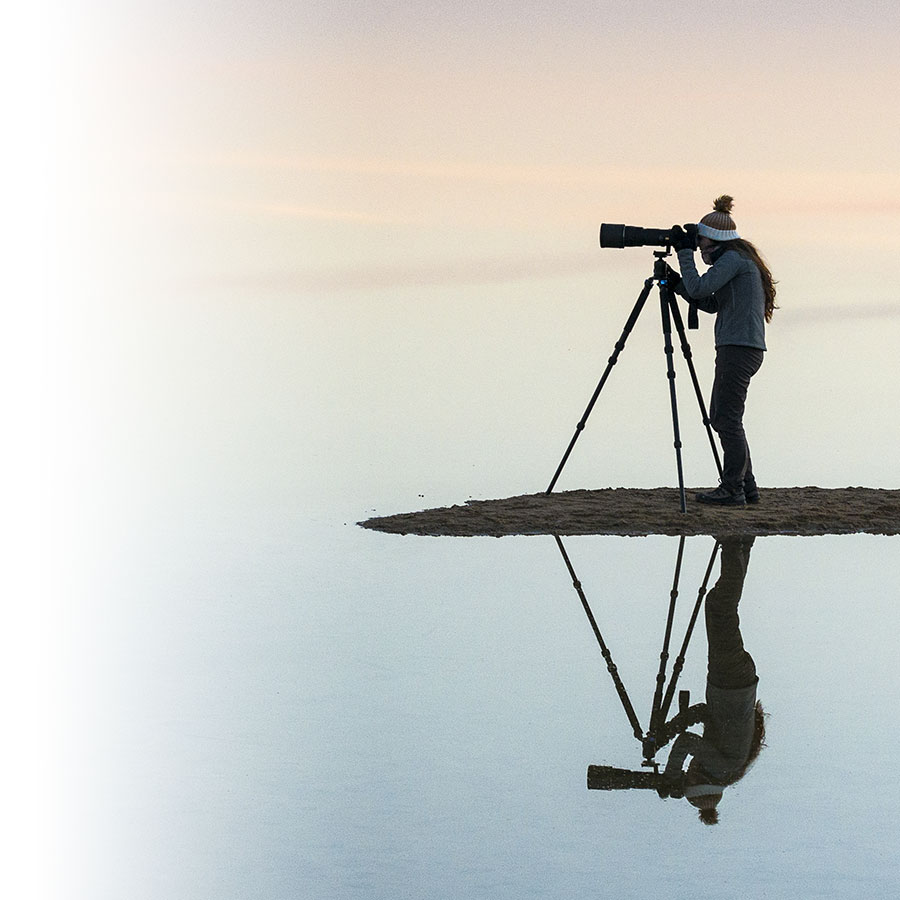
{"x": 740, "y": 290}
{"x": 734, "y": 727}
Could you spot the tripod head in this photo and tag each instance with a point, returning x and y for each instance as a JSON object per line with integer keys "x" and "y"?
{"x": 662, "y": 272}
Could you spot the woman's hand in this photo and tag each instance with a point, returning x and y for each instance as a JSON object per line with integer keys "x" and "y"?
{"x": 680, "y": 239}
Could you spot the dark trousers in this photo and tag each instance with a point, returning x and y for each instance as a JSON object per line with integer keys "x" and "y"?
{"x": 735, "y": 366}
{"x": 730, "y": 665}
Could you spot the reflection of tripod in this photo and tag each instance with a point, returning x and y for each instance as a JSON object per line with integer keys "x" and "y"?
{"x": 659, "y": 732}
{"x": 670, "y": 313}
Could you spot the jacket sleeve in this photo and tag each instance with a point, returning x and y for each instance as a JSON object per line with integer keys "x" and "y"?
{"x": 708, "y": 756}
{"x": 686, "y": 743}
{"x": 701, "y": 287}
{"x": 683, "y": 720}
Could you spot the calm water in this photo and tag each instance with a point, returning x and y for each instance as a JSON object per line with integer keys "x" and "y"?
{"x": 261, "y": 699}
{"x": 335, "y": 713}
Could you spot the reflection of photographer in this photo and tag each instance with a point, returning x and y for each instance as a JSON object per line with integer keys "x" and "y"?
{"x": 733, "y": 724}
{"x": 740, "y": 290}
{"x": 732, "y": 718}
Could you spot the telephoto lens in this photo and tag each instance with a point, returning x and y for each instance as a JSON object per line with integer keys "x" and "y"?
{"x": 634, "y": 236}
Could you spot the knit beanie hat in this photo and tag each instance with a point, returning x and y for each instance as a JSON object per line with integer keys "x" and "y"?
{"x": 718, "y": 225}
{"x": 704, "y": 796}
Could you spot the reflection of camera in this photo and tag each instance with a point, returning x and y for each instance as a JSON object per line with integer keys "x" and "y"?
{"x": 610, "y": 778}
{"x": 634, "y": 236}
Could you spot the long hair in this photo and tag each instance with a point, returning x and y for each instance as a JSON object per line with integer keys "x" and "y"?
{"x": 759, "y": 736}
{"x": 745, "y": 248}
{"x": 757, "y": 742}
{"x": 711, "y": 816}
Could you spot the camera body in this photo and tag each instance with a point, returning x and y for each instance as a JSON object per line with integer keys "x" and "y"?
{"x": 635, "y": 236}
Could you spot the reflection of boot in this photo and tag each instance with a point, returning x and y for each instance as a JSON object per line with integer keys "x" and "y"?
{"x": 735, "y": 559}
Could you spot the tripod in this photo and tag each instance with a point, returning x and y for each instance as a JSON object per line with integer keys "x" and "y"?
{"x": 670, "y": 313}
{"x": 659, "y": 731}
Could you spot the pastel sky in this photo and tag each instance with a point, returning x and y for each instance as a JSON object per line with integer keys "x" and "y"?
{"x": 338, "y": 137}
{"x": 345, "y": 159}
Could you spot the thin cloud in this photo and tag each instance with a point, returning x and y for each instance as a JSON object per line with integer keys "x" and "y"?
{"x": 438, "y": 274}
{"x": 882, "y": 184}
{"x": 425, "y": 169}
{"x": 766, "y": 192}
{"x": 291, "y": 211}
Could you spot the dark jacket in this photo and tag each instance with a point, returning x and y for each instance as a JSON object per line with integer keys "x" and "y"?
{"x": 733, "y": 289}
{"x": 729, "y": 720}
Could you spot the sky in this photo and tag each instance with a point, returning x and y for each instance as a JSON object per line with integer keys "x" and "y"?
{"x": 353, "y": 138}
{"x": 332, "y": 178}
{"x": 375, "y": 166}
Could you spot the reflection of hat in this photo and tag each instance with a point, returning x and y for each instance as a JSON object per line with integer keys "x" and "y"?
{"x": 704, "y": 796}
{"x": 718, "y": 225}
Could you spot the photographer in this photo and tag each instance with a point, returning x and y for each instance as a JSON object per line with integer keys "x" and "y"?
{"x": 733, "y": 719}
{"x": 740, "y": 290}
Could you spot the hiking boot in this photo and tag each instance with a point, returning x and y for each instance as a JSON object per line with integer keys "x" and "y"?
{"x": 723, "y": 496}
{"x": 751, "y": 493}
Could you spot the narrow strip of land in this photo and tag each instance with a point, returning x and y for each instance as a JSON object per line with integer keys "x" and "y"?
{"x": 635, "y": 511}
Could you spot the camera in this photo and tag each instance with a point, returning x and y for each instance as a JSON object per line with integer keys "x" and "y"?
{"x": 635, "y": 236}
{"x": 611, "y": 778}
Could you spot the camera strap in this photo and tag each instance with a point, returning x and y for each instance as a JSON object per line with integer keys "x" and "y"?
{"x": 693, "y": 318}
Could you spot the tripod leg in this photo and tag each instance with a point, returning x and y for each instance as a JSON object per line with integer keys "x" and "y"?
{"x": 650, "y": 739}
{"x": 620, "y": 345}
{"x": 689, "y": 359}
{"x": 604, "y": 650}
{"x": 664, "y": 305}
{"x": 679, "y": 660}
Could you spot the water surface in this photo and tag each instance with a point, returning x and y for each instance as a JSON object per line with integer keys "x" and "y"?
{"x": 262, "y": 699}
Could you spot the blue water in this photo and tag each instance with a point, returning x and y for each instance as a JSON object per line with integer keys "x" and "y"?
{"x": 261, "y": 699}
{"x": 327, "y": 712}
